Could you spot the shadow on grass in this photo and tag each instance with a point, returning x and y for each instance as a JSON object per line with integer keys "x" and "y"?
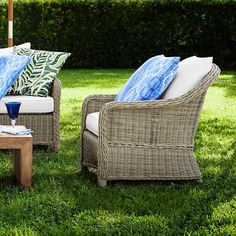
{"x": 61, "y": 194}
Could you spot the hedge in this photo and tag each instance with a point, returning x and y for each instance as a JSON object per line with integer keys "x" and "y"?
{"x": 122, "y": 34}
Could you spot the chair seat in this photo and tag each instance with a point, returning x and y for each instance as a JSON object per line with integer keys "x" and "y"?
{"x": 29, "y": 104}
{"x": 92, "y": 121}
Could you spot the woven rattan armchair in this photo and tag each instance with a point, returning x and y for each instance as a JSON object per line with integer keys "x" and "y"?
{"x": 46, "y": 126}
{"x": 150, "y": 140}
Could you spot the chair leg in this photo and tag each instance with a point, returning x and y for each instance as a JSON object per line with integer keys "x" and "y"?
{"x": 102, "y": 183}
{"x": 83, "y": 168}
{"x": 199, "y": 181}
{"x": 55, "y": 147}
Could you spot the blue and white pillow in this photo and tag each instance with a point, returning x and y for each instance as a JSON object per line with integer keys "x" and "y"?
{"x": 150, "y": 80}
{"x": 10, "y": 68}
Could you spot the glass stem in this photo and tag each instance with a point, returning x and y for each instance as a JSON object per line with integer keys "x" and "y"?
{"x": 13, "y": 123}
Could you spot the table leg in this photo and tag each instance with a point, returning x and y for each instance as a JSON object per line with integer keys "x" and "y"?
{"x": 23, "y": 165}
{"x": 16, "y": 162}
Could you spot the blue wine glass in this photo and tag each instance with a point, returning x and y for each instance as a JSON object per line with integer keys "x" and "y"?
{"x": 13, "y": 111}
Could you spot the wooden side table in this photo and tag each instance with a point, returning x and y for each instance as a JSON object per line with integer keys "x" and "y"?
{"x": 22, "y": 146}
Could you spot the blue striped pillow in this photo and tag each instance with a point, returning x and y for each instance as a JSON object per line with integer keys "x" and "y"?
{"x": 10, "y": 68}
{"x": 150, "y": 80}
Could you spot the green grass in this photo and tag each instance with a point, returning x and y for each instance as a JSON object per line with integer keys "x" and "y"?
{"x": 63, "y": 202}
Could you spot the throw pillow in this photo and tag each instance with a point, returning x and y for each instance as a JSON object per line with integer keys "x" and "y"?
{"x": 9, "y": 51}
{"x": 10, "y": 68}
{"x": 36, "y": 79}
{"x": 150, "y": 80}
{"x": 191, "y": 71}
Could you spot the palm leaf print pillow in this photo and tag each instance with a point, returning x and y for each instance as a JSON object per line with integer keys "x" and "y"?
{"x": 37, "y": 77}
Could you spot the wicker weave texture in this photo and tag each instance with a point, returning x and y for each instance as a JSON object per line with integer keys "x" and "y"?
{"x": 145, "y": 140}
{"x": 46, "y": 127}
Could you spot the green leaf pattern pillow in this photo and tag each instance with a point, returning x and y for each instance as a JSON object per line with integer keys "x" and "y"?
{"x": 37, "y": 77}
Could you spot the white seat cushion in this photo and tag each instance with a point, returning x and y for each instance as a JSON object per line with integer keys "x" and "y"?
{"x": 7, "y": 51}
{"x": 29, "y": 104}
{"x": 92, "y": 121}
{"x": 190, "y": 72}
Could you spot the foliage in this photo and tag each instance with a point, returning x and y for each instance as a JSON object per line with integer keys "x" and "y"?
{"x": 122, "y": 34}
{"x": 63, "y": 202}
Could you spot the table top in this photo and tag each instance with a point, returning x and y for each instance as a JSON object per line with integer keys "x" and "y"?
{"x": 5, "y": 135}
{"x": 11, "y": 141}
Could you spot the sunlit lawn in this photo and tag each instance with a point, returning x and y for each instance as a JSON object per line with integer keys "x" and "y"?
{"x": 62, "y": 202}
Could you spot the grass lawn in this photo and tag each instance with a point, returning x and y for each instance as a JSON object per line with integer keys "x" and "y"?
{"x": 62, "y": 202}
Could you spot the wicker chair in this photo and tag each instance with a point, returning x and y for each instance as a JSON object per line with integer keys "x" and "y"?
{"x": 150, "y": 140}
{"x": 46, "y": 126}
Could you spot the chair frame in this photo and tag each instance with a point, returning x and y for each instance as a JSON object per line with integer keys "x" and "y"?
{"x": 46, "y": 126}
{"x": 148, "y": 140}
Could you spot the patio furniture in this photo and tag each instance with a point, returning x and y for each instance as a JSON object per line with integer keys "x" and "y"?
{"x": 41, "y": 114}
{"x": 148, "y": 140}
{"x": 22, "y": 146}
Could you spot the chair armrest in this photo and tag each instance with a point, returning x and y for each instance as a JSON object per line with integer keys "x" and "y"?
{"x": 149, "y": 122}
{"x": 56, "y": 94}
{"x": 93, "y": 103}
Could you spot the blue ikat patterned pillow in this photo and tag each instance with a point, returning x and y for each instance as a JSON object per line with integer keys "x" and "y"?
{"x": 10, "y": 68}
{"x": 150, "y": 80}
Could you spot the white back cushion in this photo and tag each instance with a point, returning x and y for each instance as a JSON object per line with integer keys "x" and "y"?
{"x": 7, "y": 51}
{"x": 191, "y": 71}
